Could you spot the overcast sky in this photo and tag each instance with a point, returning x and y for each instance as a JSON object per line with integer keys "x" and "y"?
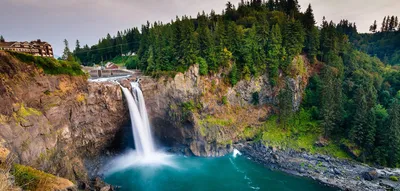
{"x": 89, "y": 20}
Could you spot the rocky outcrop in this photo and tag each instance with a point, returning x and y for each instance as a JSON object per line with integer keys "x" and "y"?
{"x": 205, "y": 115}
{"x": 344, "y": 174}
{"x": 53, "y": 123}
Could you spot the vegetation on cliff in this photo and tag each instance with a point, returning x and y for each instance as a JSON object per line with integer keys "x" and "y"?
{"x": 50, "y": 65}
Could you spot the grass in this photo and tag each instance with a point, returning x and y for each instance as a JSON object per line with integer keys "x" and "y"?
{"x": 300, "y": 133}
{"x": 50, "y": 65}
{"x": 29, "y": 178}
{"x": 24, "y": 112}
{"x": 213, "y": 121}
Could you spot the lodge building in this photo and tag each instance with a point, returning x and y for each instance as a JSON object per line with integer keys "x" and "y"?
{"x": 36, "y": 48}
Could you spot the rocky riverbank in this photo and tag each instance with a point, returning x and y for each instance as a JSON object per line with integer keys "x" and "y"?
{"x": 343, "y": 174}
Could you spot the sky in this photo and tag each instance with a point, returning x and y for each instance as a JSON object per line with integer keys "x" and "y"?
{"x": 88, "y": 20}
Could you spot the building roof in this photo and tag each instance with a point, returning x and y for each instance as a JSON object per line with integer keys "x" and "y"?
{"x": 32, "y": 43}
{"x": 6, "y": 44}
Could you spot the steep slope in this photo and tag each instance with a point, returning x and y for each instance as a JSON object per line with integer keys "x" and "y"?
{"x": 54, "y": 122}
{"x": 205, "y": 115}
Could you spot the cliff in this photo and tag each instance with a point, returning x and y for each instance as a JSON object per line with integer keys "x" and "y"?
{"x": 204, "y": 115}
{"x": 55, "y": 122}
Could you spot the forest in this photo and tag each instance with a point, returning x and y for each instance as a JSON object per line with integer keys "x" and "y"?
{"x": 355, "y": 96}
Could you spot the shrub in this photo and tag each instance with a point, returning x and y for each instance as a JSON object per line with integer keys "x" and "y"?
{"x": 50, "y": 65}
{"x": 132, "y": 63}
{"x": 203, "y": 67}
{"x": 394, "y": 178}
{"x": 224, "y": 100}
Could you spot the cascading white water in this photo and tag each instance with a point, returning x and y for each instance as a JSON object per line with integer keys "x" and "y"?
{"x": 140, "y": 125}
{"x": 142, "y": 109}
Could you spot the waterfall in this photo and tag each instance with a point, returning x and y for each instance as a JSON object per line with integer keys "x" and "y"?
{"x": 139, "y": 121}
{"x": 142, "y": 108}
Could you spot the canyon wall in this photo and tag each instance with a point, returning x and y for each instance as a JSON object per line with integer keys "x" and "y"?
{"x": 204, "y": 115}
{"x": 54, "y": 123}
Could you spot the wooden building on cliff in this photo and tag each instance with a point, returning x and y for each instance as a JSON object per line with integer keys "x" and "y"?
{"x": 36, "y": 48}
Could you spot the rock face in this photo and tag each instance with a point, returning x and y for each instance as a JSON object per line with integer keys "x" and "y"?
{"x": 53, "y": 123}
{"x": 204, "y": 115}
{"x": 344, "y": 174}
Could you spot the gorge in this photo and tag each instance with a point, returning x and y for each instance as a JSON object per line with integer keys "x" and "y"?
{"x": 67, "y": 126}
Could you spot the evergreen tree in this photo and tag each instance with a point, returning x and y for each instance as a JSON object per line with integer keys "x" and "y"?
{"x": 233, "y": 75}
{"x": 293, "y": 40}
{"x": 285, "y": 105}
{"x": 394, "y": 134}
{"x": 203, "y": 67}
{"x": 383, "y": 28}
{"x": 205, "y": 40}
{"x": 387, "y": 24}
{"x": 392, "y": 26}
{"x": 67, "y": 53}
{"x": 312, "y": 34}
{"x": 2, "y": 39}
{"x": 363, "y": 127}
{"x": 275, "y": 54}
{"x": 373, "y": 27}
{"x": 327, "y": 104}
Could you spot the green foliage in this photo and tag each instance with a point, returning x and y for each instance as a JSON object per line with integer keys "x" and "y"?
{"x": 132, "y": 62}
{"x": 224, "y": 100}
{"x": 394, "y": 178}
{"x": 30, "y": 179}
{"x": 233, "y": 75}
{"x": 50, "y": 65}
{"x": 203, "y": 67}
{"x": 285, "y": 105}
{"x": 301, "y": 133}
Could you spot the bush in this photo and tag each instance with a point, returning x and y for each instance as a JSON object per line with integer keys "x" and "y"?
{"x": 50, "y": 65}
{"x": 203, "y": 67}
{"x": 394, "y": 178}
{"x": 224, "y": 100}
{"x": 132, "y": 62}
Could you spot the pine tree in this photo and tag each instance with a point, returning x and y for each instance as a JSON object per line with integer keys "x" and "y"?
{"x": 327, "y": 100}
{"x": 2, "y": 39}
{"x": 363, "y": 127}
{"x": 77, "y": 46}
{"x": 205, "y": 40}
{"x": 67, "y": 53}
{"x": 383, "y": 28}
{"x": 233, "y": 75}
{"x": 285, "y": 105}
{"x": 275, "y": 54}
{"x": 394, "y": 134}
{"x": 373, "y": 27}
{"x": 396, "y": 23}
{"x": 387, "y": 24}
{"x": 293, "y": 40}
{"x": 392, "y": 26}
{"x": 312, "y": 35}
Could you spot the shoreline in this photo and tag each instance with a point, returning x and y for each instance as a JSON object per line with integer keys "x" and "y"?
{"x": 337, "y": 173}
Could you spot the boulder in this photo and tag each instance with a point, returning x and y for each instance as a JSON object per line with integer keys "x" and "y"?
{"x": 370, "y": 175}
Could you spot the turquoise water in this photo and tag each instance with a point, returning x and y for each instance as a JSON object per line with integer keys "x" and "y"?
{"x": 193, "y": 173}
